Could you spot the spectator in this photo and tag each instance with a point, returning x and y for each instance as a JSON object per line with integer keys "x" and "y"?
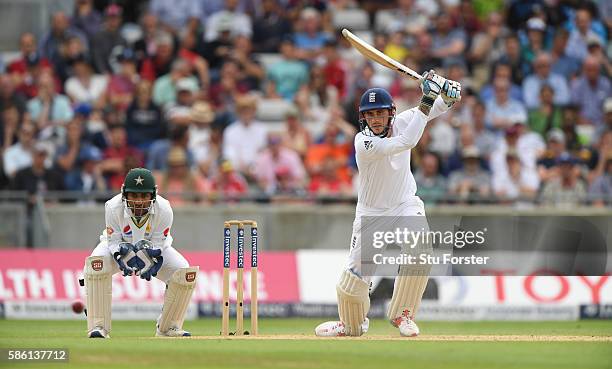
{"x": 269, "y": 27}
{"x": 335, "y": 70}
{"x": 431, "y": 184}
{"x": 447, "y": 42}
{"x": 179, "y": 111}
{"x": 501, "y": 70}
{"x": 84, "y": 86}
{"x": 178, "y": 183}
{"x": 144, "y": 120}
{"x": 228, "y": 183}
{"x": 243, "y": 139}
{"x": 336, "y": 145}
{"x": 454, "y": 161}
{"x": 296, "y": 137}
{"x": 471, "y": 182}
{"x": 86, "y": 18}
{"x": 443, "y": 137}
{"x": 542, "y": 75}
{"x": 328, "y": 182}
{"x": 502, "y": 111}
{"x": 288, "y": 75}
{"x": 547, "y": 115}
{"x": 310, "y": 40}
{"x": 146, "y": 46}
{"x": 50, "y": 46}
{"x": 516, "y": 182}
{"x": 86, "y": 177}
{"x": 408, "y": 16}
{"x": 71, "y": 49}
{"x": 157, "y": 157}
{"x": 487, "y": 45}
{"x": 201, "y": 116}
{"x": 563, "y": 64}
{"x": 231, "y": 20}
{"x": 484, "y": 139}
{"x": 279, "y": 169}
{"x": 49, "y": 110}
{"x": 175, "y": 15}
{"x": 122, "y": 85}
{"x": 600, "y": 191}
{"x": 317, "y": 100}
{"x": 566, "y": 191}
{"x": 577, "y": 42}
{"x": 251, "y": 72}
{"x": 36, "y": 177}
{"x": 595, "y": 49}
{"x": 164, "y": 89}
{"x": 9, "y": 96}
{"x": 162, "y": 59}
{"x": 19, "y": 155}
{"x": 223, "y": 93}
{"x": 116, "y": 155}
{"x": 25, "y": 70}
{"x": 105, "y": 40}
{"x": 535, "y": 40}
{"x": 513, "y": 57}
{"x": 589, "y": 92}
{"x": 75, "y": 146}
{"x": 187, "y": 51}
{"x": 547, "y": 163}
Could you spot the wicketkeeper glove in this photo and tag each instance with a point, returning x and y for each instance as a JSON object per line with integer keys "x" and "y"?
{"x": 124, "y": 257}
{"x": 148, "y": 260}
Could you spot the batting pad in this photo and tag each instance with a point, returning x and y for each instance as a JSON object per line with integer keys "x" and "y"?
{"x": 177, "y": 297}
{"x": 408, "y": 291}
{"x": 353, "y": 302}
{"x": 99, "y": 291}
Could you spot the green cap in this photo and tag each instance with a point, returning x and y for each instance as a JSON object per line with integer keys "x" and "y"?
{"x": 139, "y": 180}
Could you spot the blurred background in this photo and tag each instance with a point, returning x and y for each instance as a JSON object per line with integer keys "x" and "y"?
{"x": 248, "y": 108}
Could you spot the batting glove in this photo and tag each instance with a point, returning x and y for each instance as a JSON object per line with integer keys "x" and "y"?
{"x": 451, "y": 92}
{"x": 431, "y": 86}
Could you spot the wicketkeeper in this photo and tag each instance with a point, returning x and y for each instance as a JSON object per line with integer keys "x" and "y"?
{"x": 137, "y": 242}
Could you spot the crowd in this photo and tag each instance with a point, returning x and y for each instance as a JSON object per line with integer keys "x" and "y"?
{"x": 183, "y": 88}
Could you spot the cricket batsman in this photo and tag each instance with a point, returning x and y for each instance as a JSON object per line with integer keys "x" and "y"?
{"x": 387, "y": 188}
{"x": 137, "y": 242}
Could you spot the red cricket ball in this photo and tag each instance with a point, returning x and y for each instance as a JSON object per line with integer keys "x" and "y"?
{"x": 78, "y": 307}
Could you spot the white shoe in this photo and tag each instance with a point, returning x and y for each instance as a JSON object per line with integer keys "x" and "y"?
{"x": 172, "y": 332}
{"x": 336, "y": 328}
{"x": 98, "y": 332}
{"x": 406, "y": 325}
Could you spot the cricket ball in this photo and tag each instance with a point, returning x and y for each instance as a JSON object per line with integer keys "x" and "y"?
{"x": 78, "y": 307}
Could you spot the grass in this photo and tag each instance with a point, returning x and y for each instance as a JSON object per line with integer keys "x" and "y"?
{"x": 131, "y": 344}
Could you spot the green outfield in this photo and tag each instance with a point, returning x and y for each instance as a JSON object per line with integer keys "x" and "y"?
{"x": 288, "y": 343}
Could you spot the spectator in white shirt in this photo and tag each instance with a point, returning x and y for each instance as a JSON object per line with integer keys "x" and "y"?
{"x": 84, "y": 86}
{"x": 19, "y": 155}
{"x": 243, "y": 139}
{"x": 239, "y": 23}
{"x": 516, "y": 181}
{"x": 503, "y": 111}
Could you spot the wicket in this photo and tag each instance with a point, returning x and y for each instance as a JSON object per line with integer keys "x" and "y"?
{"x": 239, "y": 276}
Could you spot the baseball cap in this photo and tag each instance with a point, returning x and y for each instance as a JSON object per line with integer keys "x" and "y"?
{"x": 470, "y": 152}
{"x": 556, "y": 134}
{"x": 186, "y": 84}
{"x": 536, "y": 24}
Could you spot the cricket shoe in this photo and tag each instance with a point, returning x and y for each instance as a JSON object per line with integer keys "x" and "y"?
{"x": 336, "y": 328}
{"x": 172, "y": 332}
{"x": 406, "y": 325}
{"x": 98, "y": 332}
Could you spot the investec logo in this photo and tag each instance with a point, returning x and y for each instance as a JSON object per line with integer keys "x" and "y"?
{"x": 372, "y": 97}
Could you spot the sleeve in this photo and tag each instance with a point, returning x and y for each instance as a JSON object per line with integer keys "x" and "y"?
{"x": 113, "y": 229}
{"x": 161, "y": 237}
{"x": 411, "y": 124}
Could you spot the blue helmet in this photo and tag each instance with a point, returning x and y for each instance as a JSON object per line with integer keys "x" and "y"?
{"x": 375, "y": 98}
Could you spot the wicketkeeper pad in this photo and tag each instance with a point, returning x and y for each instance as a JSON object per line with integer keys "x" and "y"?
{"x": 353, "y": 302}
{"x": 408, "y": 290}
{"x": 99, "y": 291}
{"x": 177, "y": 297}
